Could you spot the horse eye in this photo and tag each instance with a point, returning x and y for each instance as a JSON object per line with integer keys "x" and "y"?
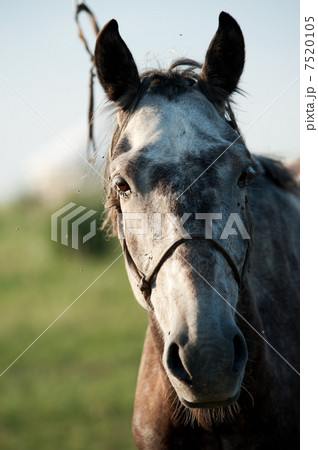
{"x": 246, "y": 176}
{"x": 121, "y": 185}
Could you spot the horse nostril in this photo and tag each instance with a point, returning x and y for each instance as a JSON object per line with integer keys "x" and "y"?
{"x": 240, "y": 352}
{"x": 175, "y": 364}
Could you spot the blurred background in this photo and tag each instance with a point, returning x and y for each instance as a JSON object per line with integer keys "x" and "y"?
{"x": 74, "y": 388}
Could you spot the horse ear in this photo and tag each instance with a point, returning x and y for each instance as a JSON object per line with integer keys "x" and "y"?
{"x": 116, "y": 68}
{"x": 225, "y": 57}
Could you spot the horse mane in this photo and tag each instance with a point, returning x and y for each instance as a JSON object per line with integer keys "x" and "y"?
{"x": 278, "y": 173}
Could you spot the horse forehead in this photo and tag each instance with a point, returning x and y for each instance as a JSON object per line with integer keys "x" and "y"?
{"x": 187, "y": 123}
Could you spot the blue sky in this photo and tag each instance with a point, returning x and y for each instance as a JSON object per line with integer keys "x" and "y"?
{"x": 44, "y": 60}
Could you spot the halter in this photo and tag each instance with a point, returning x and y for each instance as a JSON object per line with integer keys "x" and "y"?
{"x": 144, "y": 280}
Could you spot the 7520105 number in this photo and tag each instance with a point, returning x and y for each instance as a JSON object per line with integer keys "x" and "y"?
{"x": 309, "y": 42}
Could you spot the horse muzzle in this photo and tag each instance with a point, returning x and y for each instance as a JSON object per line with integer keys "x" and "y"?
{"x": 209, "y": 373}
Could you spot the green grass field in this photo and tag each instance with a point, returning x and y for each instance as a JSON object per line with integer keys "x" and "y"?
{"x": 74, "y": 388}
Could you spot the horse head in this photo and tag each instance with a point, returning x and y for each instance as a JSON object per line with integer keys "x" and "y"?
{"x": 177, "y": 160}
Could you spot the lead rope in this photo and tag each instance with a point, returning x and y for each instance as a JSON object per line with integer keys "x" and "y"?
{"x": 79, "y": 7}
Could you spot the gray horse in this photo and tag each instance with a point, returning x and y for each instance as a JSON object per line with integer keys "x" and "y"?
{"x": 217, "y": 263}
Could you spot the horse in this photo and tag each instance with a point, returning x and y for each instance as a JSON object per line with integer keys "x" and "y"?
{"x": 219, "y": 367}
